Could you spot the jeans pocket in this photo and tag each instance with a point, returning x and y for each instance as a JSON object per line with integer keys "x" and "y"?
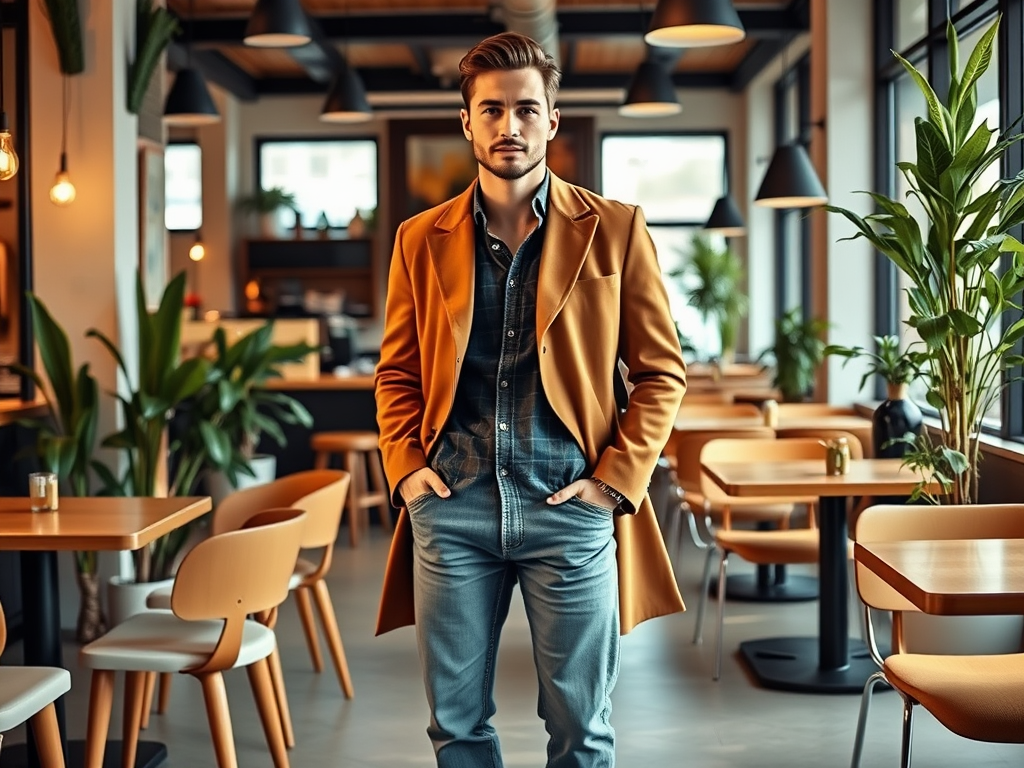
{"x": 592, "y": 508}
{"x": 416, "y": 502}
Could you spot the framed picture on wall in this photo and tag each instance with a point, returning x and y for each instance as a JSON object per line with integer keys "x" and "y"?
{"x": 431, "y": 161}
{"x": 152, "y": 227}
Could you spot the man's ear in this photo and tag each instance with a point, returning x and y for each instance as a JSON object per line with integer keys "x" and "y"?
{"x": 466, "y": 130}
{"x": 553, "y": 123}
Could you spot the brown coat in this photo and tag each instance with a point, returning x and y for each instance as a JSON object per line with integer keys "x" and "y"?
{"x": 599, "y": 296}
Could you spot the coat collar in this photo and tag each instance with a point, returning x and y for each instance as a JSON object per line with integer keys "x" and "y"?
{"x": 569, "y": 232}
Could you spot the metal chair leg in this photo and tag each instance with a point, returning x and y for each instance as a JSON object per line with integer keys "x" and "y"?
{"x": 908, "y": 731}
{"x": 862, "y": 718}
{"x": 721, "y": 612}
{"x": 702, "y": 602}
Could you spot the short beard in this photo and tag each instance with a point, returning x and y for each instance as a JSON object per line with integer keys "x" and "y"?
{"x": 510, "y": 171}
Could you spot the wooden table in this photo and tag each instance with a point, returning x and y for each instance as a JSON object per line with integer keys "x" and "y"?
{"x": 951, "y": 577}
{"x": 114, "y": 523}
{"x": 822, "y": 664}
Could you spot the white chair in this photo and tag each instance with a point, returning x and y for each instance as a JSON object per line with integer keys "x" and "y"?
{"x": 219, "y": 583}
{"x": 27, "y": 694}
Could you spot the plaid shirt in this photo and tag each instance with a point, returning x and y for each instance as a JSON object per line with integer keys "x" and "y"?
{"x": 502, "y": 431}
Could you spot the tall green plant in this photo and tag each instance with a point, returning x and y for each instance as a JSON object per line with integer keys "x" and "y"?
{"x": 957, "y": 295}
{"x": 65, "y": 441}
{"x": 715, "y": 291}
{"x": 155, "y": 27}
{"x": 798, "y": 351}
{"x": 161, "y": 384}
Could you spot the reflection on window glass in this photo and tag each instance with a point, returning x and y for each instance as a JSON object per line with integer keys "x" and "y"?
{"x": 183, "y": 186}
{"x": 675, "y": 179}
{"x": 335, "y": 178}
{"x": 911, "y": 22}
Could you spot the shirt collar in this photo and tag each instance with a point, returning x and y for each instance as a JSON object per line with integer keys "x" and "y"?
{"x": 539, "y": 202}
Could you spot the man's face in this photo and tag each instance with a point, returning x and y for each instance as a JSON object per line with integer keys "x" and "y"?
{"x": 509, "y": 122}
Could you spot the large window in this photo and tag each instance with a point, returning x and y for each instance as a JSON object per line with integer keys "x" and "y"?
{"x": 183, "y": 186}
{"x": 675, "y": 179}
{"x": 329, "y": 177}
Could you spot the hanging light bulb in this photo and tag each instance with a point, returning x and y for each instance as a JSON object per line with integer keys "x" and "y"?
{"x": 63, "y": 191}
{"x": 198, "y": 251}
{"x": 8, "y": 157}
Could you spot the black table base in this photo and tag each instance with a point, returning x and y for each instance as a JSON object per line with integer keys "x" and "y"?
{"x": 149, "y": 755}
{"x": 791, "y": 664}
{"x": 752, "y": 588}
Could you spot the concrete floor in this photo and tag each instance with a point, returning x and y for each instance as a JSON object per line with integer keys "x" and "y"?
{"x": 668, "y": 711}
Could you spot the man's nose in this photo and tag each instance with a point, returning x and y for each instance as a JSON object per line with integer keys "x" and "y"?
{"x": 511, "y": 129}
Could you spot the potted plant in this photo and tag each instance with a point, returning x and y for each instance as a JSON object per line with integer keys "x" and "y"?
{"x": 898, "y": 415}
{"x": 957, "y": 294}
{"x": 714, "y": 276}
{"x": 266, "y": 203}
{"x": 233, "y": 410}
{"x": 798, "y": 351}
{"x": 64, "y": 444}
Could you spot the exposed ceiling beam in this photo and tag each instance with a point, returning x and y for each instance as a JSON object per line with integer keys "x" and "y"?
{"x": 216, "y": 69}
{"x": 454, "y": 29}
{"x": 756, "y": 59}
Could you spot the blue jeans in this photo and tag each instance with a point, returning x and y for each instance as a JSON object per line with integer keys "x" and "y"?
{"x": 469, "y": 551}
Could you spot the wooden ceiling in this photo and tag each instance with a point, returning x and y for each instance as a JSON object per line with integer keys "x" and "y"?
{"x": 403, "y": 46}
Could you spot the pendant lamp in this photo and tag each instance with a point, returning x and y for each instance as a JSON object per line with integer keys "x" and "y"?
{"x": 346, "y": 100}
{"x": 651, "y": 93}
{"x": 791, "y": 181}
{"x": 694, "y": 24}
{"x": 8, "y": 157}
{"x": 725, "y": 219}
{"x": 62, "y": 191}
{"x": 189, "y": 102}
{"x": 277, "y": 24}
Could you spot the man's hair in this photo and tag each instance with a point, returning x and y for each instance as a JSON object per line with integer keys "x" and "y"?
{"x": 508, "y": 51}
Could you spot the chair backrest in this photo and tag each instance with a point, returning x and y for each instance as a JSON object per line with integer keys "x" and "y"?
{"x": 810, "y": 410}
{"x": 233, "y": 574}
{"x": 895, "y": 522}
{"x": 790, "y": 433}
{"x": 689, "y": 445}
{"x": 760, "y": 450}
{"x": 3, "y": 630}
{"x": 716, "y": 410}
{"x": 236, "y": 508}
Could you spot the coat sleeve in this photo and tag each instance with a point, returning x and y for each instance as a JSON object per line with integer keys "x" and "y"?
{"x": 649, "y": 347}
{"x": 398, "y": 383}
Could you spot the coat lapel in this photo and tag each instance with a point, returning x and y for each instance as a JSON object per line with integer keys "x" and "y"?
{"x": 570, "y": 231}
{"x": 451, "y": 251}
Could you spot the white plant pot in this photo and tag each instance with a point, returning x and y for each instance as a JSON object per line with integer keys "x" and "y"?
{"x": 218, "y": 485}
{"x": 126, "y": 598}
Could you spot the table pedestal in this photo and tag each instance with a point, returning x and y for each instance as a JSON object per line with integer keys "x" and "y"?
{"x": 768, "y": 588}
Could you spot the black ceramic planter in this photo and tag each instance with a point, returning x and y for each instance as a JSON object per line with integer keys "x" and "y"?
{"x": 894, "y": 418}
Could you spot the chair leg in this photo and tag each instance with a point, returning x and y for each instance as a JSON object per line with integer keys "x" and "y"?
{"x": 702, "y": 600}
{"x": 862, "y": 718}
{"x": 165, "y": 692}
{"x": 134, "y": 698}
{"x": 266, "y": 703}
{"x": 908, "y": 731}
{"x": 281, "y": 697}
{"x": 722, "y": 565}
{"x": 147, "y": 699}
{"x": 219, "y": 715}
{"x": 333, "y": 635}
{"x": 101, "y": 697}
{"x": 380, "y": 485}
{"x": 322, "y": 460}
{"x": 354, "y": 465}
{"x": 47, "y": 736}
{"x": 305, "y": 606}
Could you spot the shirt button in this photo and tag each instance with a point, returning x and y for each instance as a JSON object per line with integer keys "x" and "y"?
{"x": 503, "y": 427}
{"x": 504, "y": 384}
{"x": 511, "y": 283}
{"x": 495, "y": 247}
{"x": 504, "y": 472}
{"x": 511, "y": 334}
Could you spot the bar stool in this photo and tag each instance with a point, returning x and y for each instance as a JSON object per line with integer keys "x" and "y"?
{"x": 358, "y": 448}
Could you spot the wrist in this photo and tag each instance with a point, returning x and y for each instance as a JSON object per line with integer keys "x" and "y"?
{"x": 608, "y": 491}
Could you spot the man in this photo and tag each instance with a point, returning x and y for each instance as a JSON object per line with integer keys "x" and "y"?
{"x": 508, "y": 310}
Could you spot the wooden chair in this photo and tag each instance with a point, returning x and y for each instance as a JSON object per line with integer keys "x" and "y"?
{"x": 28, "y": 694}
{"x": 863, "y": 435}
{"x": 358, "y": 449}
{"x": 774, "y": 547}
{"x": 977, "y": 696}
{"x": 205, "y": 633}
{"x": 321, "y": 493}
